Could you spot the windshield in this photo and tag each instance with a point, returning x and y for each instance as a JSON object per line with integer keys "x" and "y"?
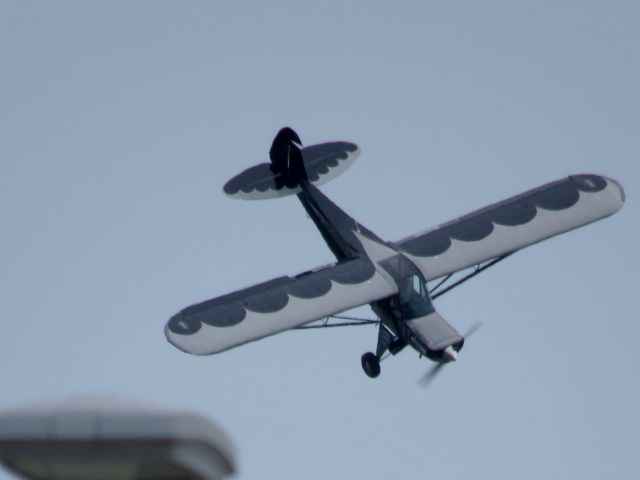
{"x": 413, "y": 298}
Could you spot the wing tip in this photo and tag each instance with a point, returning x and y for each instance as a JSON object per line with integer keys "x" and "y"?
{"x": 170, "y": 336}
{"x": 621, "y": 192}
{"x": 590, "y": 182}
{"x": 174, "y": 338}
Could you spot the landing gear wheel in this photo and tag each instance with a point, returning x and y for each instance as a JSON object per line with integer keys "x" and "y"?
{"x": 370, "y": 365}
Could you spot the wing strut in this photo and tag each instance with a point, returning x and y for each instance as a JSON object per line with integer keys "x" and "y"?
{"x": 440, "y": 283}
{"x": 350, "y": 322}
{"x": 477, "y": 269}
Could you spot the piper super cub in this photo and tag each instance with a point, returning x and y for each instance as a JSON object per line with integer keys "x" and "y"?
{"x": 392, "y": 277}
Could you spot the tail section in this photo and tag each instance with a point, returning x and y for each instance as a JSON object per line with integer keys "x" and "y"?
{"x": 290, "y": 165}
{"x": 286, "y": 158}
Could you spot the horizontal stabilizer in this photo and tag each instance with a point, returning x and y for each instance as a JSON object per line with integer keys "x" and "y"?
{"x": 321, "y": 162}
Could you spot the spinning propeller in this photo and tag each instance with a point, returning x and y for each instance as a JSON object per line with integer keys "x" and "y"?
{"x": 449, "y": 354}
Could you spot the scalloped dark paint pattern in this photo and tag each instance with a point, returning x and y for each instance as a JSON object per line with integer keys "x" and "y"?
{"x": 515, "y": 211}
{"x": 268, "y": 297}
{"x": 318, "y": 160}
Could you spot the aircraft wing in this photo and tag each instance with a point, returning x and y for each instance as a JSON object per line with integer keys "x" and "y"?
{"x": 512, "y": 224}
{"x": 277, "y": 305}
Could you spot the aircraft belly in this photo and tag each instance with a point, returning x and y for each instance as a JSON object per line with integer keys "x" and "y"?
{"x": 434, "y": 332}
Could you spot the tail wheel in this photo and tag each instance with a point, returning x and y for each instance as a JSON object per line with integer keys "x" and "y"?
{"x": 370, "y": 365}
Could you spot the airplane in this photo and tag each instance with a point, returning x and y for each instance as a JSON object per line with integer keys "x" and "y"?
{"x": 392, "y": 277}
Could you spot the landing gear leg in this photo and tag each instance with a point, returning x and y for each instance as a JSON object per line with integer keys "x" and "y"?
{"x": 371, "y": 361}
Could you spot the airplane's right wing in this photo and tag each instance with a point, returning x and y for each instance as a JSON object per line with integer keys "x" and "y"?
{"x": 512, "y": 224}
{"x": 277, "y": 305}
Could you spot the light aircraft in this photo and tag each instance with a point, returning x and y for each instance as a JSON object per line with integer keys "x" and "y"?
{"x": 392, "y": 277}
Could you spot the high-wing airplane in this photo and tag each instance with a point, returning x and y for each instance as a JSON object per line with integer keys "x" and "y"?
{"x": 392, "y": 277}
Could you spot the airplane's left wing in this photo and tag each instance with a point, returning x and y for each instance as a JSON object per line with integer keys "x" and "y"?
{"x": 277, "y": 305}
{"x": 512, "y": 224}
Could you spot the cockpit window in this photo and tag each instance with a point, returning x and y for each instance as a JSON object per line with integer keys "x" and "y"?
{"x": 413, "y": 298}
{"x": 417, "y": 284}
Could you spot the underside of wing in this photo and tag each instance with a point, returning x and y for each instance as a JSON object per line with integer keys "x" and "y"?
{"x": 512, "y": 224}
{"x": 274, "y": 306}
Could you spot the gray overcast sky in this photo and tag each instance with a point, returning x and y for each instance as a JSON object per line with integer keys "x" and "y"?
{"x": 121, "y": 121}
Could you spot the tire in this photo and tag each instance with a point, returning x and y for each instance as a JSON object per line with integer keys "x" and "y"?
{"x": 370, "y": 365}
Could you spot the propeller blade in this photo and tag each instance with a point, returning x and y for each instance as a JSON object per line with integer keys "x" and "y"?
{"x": 473, "y": 329}
{"x": 433, "y": 372}
{"x": 430, "y": 375}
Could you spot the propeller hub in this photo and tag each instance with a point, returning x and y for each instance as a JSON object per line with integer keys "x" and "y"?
{"x": 450, "y": 354}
